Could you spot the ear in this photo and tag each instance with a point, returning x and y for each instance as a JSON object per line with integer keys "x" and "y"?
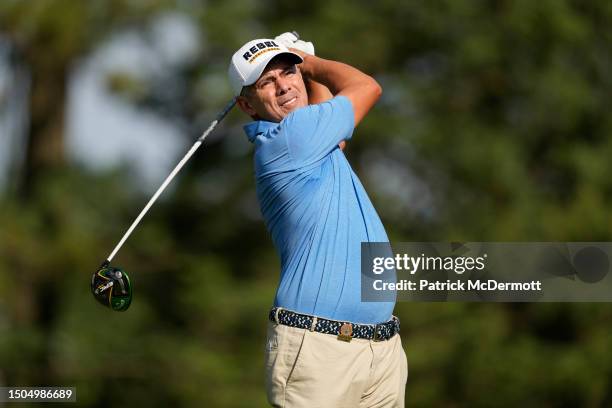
{"x": 245, "y": 106}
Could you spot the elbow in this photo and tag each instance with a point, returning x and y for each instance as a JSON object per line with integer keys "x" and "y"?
{"x": 376, "y": 89}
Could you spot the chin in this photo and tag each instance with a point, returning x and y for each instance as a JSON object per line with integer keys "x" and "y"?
{"x": 296, "y": 107}
{"x": 300, "y": 104}
{"x": 288, "y": 111}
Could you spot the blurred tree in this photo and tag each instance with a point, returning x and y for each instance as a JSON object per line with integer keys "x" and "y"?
{"x": 46, "y": 37}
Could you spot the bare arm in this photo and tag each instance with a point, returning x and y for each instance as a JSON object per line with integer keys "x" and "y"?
{"x": 317, "y": 93}
{"x": 362, "y": 90}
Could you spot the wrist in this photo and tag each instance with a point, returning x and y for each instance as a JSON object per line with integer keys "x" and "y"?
{"x": 306, "y": 66}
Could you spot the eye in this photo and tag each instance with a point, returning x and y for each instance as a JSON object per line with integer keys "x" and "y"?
{"x": 264, "y": 83}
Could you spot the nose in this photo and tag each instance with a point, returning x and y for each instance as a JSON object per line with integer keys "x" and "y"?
{"x": 282, "y": 85}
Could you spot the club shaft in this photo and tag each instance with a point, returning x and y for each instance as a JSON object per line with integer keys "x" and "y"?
{"x": 168, "y": 179}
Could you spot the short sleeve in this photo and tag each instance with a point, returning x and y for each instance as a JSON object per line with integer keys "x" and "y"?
{"x": 315, "y": 131}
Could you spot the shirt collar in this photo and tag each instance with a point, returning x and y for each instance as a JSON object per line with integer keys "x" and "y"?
{"x": 255, "y": 128}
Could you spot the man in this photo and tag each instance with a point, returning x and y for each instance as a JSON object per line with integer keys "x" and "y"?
{"x": 325, "y": 347}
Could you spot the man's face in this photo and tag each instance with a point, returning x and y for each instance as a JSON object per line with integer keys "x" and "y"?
{"x": 279, "y": 91}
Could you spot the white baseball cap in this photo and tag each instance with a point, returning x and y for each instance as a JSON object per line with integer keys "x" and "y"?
{"x": 251, "y": 59}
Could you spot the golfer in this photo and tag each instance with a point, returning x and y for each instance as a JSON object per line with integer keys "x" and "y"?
{"x": 325, "y": 347}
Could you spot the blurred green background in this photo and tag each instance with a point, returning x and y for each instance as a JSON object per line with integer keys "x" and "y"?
{"x": 494, "y": 125}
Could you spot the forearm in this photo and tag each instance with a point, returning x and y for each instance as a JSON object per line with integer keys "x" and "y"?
{"x": 334, "y": 75}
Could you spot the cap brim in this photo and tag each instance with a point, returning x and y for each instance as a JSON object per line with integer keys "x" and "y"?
{"x": 256, "y": 73}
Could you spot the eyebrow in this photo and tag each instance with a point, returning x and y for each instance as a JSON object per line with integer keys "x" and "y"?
{"x": 270, "y": 76}
{"x": 265, "y": 77}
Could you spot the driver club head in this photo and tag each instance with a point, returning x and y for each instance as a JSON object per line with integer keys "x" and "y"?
{"x": 111, "y": 287}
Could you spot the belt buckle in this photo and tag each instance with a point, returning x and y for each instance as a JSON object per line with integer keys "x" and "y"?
{"x": 346, "y": 332}
{"x": 376, "y": 337}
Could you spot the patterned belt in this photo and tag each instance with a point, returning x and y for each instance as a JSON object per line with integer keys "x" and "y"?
{"x": 344, "y": 330}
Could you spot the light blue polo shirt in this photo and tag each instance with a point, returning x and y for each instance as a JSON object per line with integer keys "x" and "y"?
{"x": 317, "y": 212}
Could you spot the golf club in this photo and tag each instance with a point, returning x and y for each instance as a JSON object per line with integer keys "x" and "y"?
{"x": 110, "y": 285}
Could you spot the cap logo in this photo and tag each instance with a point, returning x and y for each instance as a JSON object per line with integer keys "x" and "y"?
{"x": 259, "y": 49}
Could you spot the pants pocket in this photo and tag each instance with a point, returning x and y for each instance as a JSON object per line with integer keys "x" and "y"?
{"x": 283, "y": 348}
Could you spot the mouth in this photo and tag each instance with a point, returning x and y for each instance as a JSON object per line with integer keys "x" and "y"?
{"x": 288, "y": 102}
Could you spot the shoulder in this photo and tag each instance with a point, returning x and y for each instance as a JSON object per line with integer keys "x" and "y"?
{"x": 337, "y": 108}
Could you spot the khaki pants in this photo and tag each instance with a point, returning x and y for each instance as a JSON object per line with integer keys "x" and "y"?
{"x": 311, "y": 369}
